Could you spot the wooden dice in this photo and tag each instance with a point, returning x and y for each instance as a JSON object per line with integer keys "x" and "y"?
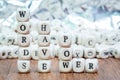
{"x": 44, "y": 65}
{"x": 37, "y": 45}
{"x": 23, "y": 15}
{"x": 23, "y": 66}
{"x": 91, "y": 65}
{"x": 78, "y": 64}
{"x": 65, "y": 66}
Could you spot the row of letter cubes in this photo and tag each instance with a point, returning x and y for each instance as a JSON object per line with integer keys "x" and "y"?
{"x": 74, "y": 65}
{"x": 36, "y": 52}
{"x": 63, "y": 39}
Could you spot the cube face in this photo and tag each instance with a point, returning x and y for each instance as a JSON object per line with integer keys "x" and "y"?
{"x": 23, "y": 27}
{"x": 44, "y": 52}
{"x": 44, "y": 40}
{"x": 23, "y": 40}
{"x": 78, "y": 64}
{"x": 103, "y": 53}
{"x": 10, "y": 39}
{"x": 3, "y": 39}
{"x": 56, "y": 50}
{"x": 3, "y": 53}
{"x": 23, "y": 15}
{"x": 77, "y": 52}
{"x": 44, "y": 65}
{"x": 89, "y": 53}
{"x": 91, "y": 65}
{"x": 65, "y": 66}
{"x": 44, "y": 27}
{"x": 52, "y": 52}
{"x": 111, "y": 38}
{"x": 54, "y": 38}
{"x": 15, "y": 51}
{"x": 24, "y": 54}
{"x": 65, "y": 54}
{"x": 34, "y": 54}
{"x": 9, "y": 52}
{"x": 65, "y": 40}
{"x": 23, "y": 66}
{"x": 79, "y": 39}
{"x": 89, "y": 41}
{"x": 116, "y": 52}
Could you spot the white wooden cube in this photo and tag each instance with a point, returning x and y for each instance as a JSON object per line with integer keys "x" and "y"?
{"x": 56, "y": 50}
{"x": 112, "y": 51}
{"x": 52, "y": 53}
{"x": 34, "y": 35}
{"x": 34, "y": 52}
{"x": 111, "y": 38}
{"x": 88, "y": 40}
{"x": 44, "y": 65}
{"x": 3, "y": 53}
{"x": 65, "y": 40}
{"x": 23, "y": 66}
{"x": 23, "y": 40}
{"x": 116, "y": 53}
{"x": 44, "y": 40}
{"x": 78, "y": 64}
{"x": 3, "y": 40}
{"x": 77, "y": 51}
{"x": 44, "y": 27}
{"x": 24, "y": 53}
{"x": 9, "y": 52}
{"x": 89, "y": 52}
{"x": 14, "y": 51}
{"x": 23, "y": 27}
{"x": 91, "y": 65}
{"x": 102, "y": 51}
{"x": 73, "y": 37}
{"x": 54, "y": 38}
{"x": 23, "y": 14}
{"x": 65, "y": 53}
{"x": 79, "y": 38}
{"x": 65, "y": 66}
{"x": 44, "y": 52}
{"x": 10, "y": 39}
{"x": 15, "y": 39}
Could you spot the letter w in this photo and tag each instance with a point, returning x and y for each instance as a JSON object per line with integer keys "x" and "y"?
{"x": 22, "y": 13}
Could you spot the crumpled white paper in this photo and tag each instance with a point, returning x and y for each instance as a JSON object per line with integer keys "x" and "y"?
{"x": 90, "y": 10}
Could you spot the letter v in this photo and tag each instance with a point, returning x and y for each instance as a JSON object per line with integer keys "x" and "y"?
{"x": 44, "y": 51}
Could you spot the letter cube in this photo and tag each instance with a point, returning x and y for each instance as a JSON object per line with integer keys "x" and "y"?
{"x": 44, "y": 27}
{"x": 23, "y": 66}
{"x": 24, "y": 53}
{"x": 78, "y": 64}
{"x": 10, "y": 39}
{"x": 65, "y": 66}
{"x": 65, "y": 53}
{"x": 14, "y": 51}
{"x": 91, "y": 65}
{"x": 89, "y": 52}
{"x": 23, "y": 14}
{"x": 23, "y": 40}
{"x": 44, "y": 65}
{"x": 34, "y": 52}
{"x": 77, "y": 51}
{"x": 44, "y": 40}
{"x": 44, "y": 52}
{"x": 23, "y": 27}
{"x": 88, "y": 40}
{"x": 65, "y": 40}
{"x": 54, "y": 38}
{"x": 3, "y": 53}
